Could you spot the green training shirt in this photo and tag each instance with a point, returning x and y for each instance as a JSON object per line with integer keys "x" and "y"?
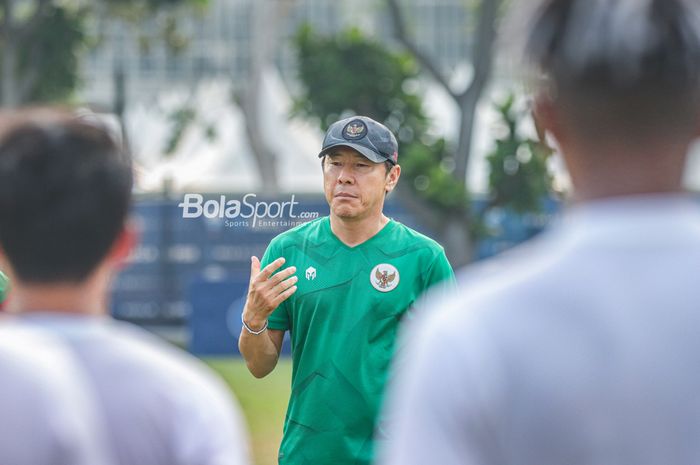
{"x": 343, "y": 320}
{"x": 4, "y": 286}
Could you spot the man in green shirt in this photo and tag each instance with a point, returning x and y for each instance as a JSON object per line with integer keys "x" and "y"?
{"x": 359, "y": 274}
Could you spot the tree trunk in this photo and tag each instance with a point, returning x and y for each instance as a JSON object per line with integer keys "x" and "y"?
{"x": 16, "y": 87}
{"x": 456, "y": 239}
{"x": 482, "y": 58}
{"x": 468, "y": 104}
{"x": 9, "y": 75}
{"x": 9, "y": 97}
{"x": 266, "y": 14}
{"x": 119, "y": 107}
{"x": 451, "y": 231}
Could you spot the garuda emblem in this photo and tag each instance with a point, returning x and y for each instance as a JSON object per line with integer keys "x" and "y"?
{"x": 384, "y": 277}
{"x": 354, "y": 130}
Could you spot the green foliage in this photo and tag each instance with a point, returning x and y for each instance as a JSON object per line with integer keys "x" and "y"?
{"x": 424, "y": 164}
{"x": 519, "y": 177}
{"x": 352, "y": 74}
{"x": 54, "y": 49}
{"x": 349, "y": 69}
{"x": 180, "y": 120}
{"x": 48, "y": 57}
{"x": 176, "y": 41}
{"x": 134, "y": 10}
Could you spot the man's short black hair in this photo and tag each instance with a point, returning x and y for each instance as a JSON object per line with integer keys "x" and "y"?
{"x": 65, "y": 192}
{"x": 620, "y": 69}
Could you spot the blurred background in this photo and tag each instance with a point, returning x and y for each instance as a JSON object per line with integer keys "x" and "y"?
{"x": 231, "y": 98}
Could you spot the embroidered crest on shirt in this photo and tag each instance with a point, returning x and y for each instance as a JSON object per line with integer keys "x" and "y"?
{"x": 310, "y": 273}
{"x": 384, "y": 277}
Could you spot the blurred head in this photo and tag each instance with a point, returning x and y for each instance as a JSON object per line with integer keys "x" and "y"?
{"x": 354, "y": 185}
{"x": 65, "y": 190}
{"x": 622, "y": 73}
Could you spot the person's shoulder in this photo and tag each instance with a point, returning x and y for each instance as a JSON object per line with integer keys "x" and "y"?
{"x": 47, "y": 395}
{"x": 163, "y": 364}
{"x": 501, "y": 287}
{"x": 312, "y": 230}
{"x": 202, "y": 408}
{"x": 32, "y": 352}
{"x": 403, "y": 236}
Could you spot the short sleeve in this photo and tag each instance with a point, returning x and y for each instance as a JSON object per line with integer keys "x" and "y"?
{"x": 439, "y": 281}
{"x": 440, "y": 271}
{"x": 279, "y": 319}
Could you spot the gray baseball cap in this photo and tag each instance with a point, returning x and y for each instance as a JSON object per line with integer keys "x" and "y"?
{"x": 370, "y": 138}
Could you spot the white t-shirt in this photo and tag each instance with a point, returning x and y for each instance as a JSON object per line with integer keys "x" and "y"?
{"x": 580, "y": 348}
{"x": 47, "y": 414}
{"x": 161, "y": 405}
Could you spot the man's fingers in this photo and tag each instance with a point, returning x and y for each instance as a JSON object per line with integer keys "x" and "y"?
{"x": 254, "y": 267}
{"x": 282, "y": 275}
{"x": 284, "y": 295}
{"x": 286, "y": 284}
{"x": 272, "y": 267}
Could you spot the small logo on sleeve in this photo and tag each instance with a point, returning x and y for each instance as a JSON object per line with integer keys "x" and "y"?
{"x": 384, "y": 277}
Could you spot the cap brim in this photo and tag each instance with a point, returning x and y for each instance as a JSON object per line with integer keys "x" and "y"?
{"x": 368, "y": 153}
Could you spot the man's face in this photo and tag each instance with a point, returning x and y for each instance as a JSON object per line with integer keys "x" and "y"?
{"x": 355, "y": 186}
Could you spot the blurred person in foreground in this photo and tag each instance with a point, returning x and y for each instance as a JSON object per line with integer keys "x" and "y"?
{"x": 583, "y": 346}
{"x": 48, "y": 414}
{"x": 65, "y": 192}
{"x": 360, "y": 273}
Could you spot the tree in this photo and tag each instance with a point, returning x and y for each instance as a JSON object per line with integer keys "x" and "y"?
{"x": 481, "y": 60}
{"x": 349, "y": 73}
{"x": 519, "y": 178}
{"x": 266, "y": 16}
{"x": 41, "y": 42}
{"x": 39, "y": 50}
{"x": 458, "y": 235}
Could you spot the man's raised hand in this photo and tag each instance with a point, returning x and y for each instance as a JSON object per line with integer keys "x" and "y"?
{"x": 267, "y": 291}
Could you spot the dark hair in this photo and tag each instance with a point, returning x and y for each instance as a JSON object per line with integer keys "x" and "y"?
{"x": 624, "y": 66}
{"x": 65, "y": 192}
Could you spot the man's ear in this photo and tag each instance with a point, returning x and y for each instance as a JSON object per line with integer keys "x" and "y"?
{"x": 393, "y": 178}
{"x": 123, "y": 245}
{"x": 547, "y": 119}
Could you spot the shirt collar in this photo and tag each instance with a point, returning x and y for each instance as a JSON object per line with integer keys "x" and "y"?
{"x": 667, "y": 216}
